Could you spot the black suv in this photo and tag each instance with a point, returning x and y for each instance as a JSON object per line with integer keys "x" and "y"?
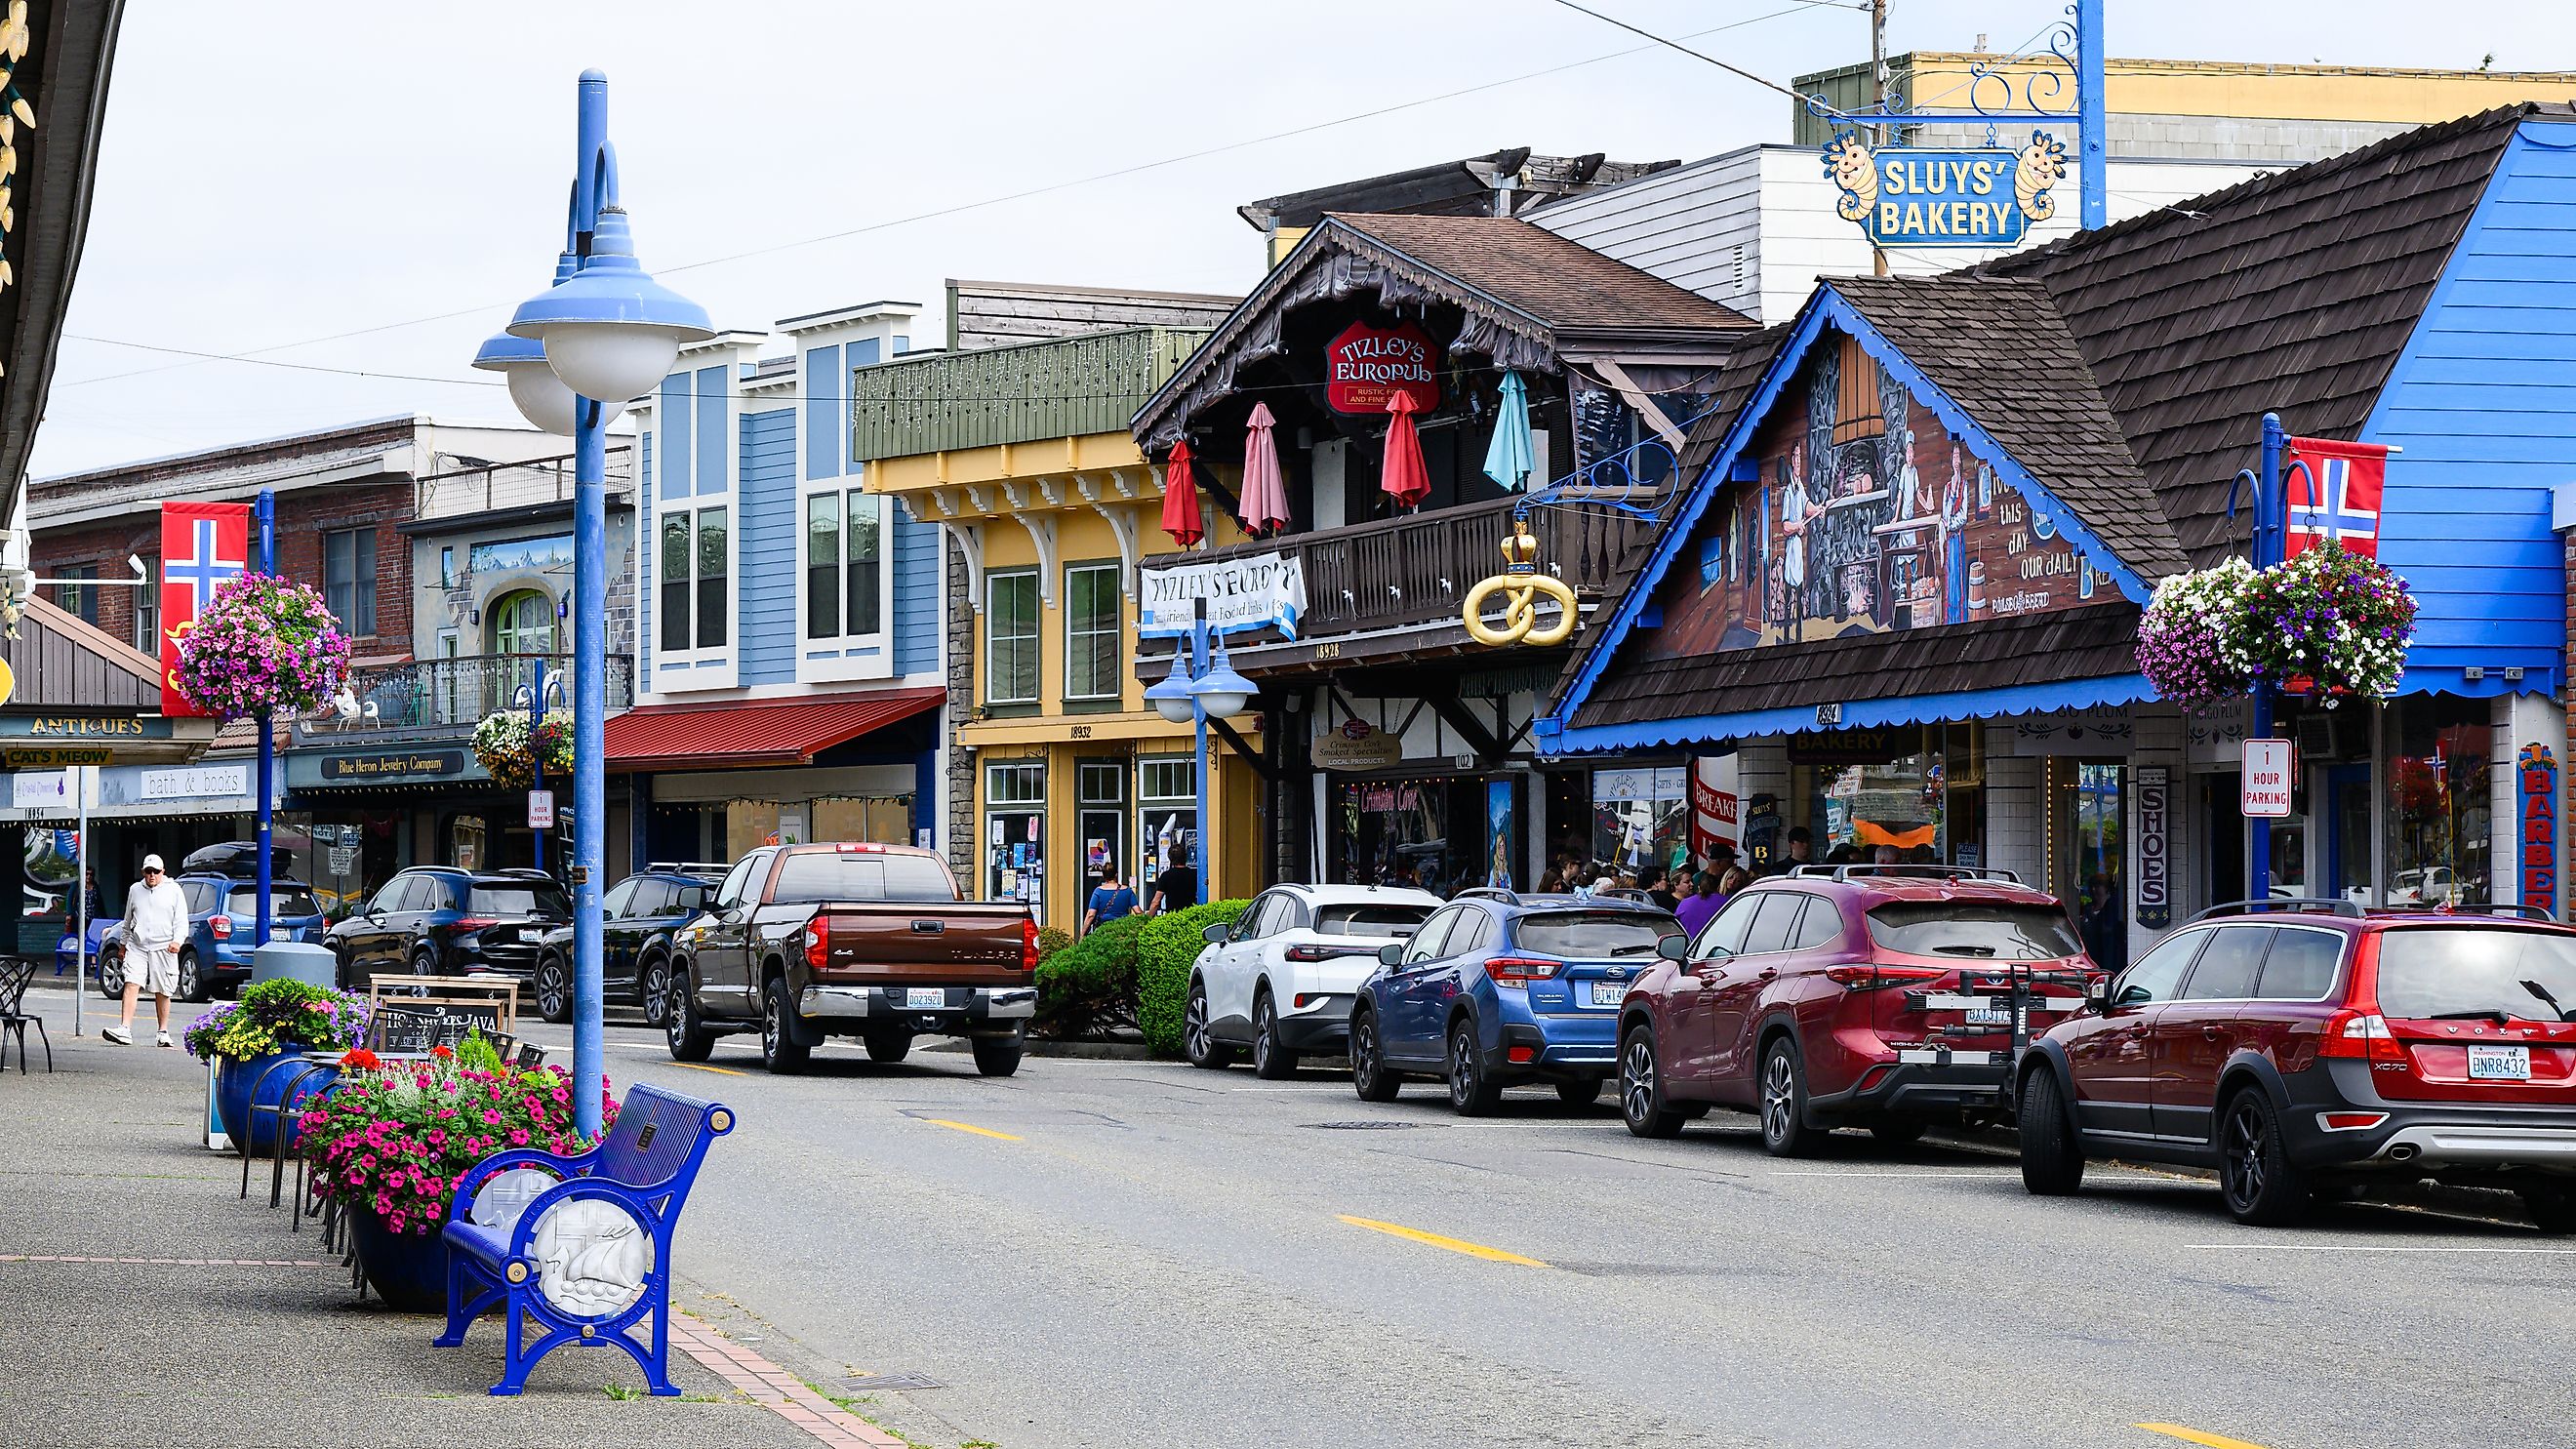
{"x": 637, "y": 917}
{"x": 442, "y": 921}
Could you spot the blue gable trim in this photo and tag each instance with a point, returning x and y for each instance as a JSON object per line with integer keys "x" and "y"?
{"x": 2483, "y": 403}
{"x": 916, "y": 592}
{"x": 1824, "y": 306}
{"x": 1709, "y": 729}
{"x": 765, "y": 593}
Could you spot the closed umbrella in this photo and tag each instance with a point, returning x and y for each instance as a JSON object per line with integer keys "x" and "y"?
{"x": 1265, "y": 500}
{"x": 1404, "y": 478}
{"x": 1181, "y": 498}
{"x": 1509, "y": 458}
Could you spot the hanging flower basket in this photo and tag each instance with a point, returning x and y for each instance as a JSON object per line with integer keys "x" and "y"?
{"x": 263, "y": 645}
{"x": 502, "y": 742}
{"x": 2191, "y": 641}
{"x": 2326, "y": 625}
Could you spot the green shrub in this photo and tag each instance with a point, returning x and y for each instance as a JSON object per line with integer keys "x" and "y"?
{"x": 1089, "y": 986}
{"x": 1051, "y": 941}
{"x": 1170, "y": 944}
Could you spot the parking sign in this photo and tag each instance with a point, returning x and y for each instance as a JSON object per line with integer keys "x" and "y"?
{"x": 541, "y": 809}
{"x": 2270, "y": 765}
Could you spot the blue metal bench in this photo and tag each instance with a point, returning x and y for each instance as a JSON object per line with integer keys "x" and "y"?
{"x": 569, "y": 1257}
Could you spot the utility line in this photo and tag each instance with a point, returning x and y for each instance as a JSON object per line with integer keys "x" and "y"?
{"x": 1734, "y": 70}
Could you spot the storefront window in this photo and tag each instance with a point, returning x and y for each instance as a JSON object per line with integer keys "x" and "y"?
{"x": 1167, "y": 812}
{"x": 1905, "y": 794}
{"x": 2440, "y": 828}
{"x": 1100, "y": 788}
{"x": 1641, "y": 817}
{"x": 1015, "y": 833}
{"x": 1397, "y": 832}
{"x": 2086, "y": 850}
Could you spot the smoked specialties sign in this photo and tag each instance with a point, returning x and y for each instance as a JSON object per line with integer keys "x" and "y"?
{"x": 1265, "y": 591}
{"x": 1909, "y": 198}
{"x": 1366, "y": 366}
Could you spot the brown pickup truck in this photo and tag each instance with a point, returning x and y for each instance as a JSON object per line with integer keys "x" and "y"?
{"x": 804, "y": 942}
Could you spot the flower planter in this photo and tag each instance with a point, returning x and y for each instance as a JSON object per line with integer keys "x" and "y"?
{"x": 407, "y": 1270}
{"x": 235, "y": 1082}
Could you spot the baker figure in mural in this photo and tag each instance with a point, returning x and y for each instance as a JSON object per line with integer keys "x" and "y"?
{"x": 1954, "y": 544}
{"x": 1796, "y": 512}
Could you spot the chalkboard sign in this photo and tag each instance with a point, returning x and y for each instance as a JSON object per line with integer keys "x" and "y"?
{"x": 491, "y": 1003}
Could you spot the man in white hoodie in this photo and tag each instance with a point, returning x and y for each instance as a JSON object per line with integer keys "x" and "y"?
{"x": 156, "y": 921}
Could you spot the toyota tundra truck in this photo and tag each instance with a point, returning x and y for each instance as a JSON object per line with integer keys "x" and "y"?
{"x": 806, "y": 942}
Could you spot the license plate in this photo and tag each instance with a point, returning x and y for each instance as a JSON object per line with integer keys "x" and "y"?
{"x": 1609, "y": 993}
{"x": 1989, "y": 1016}
{"x": 2500, "y": 1063}
{"x": 925, "y": 998}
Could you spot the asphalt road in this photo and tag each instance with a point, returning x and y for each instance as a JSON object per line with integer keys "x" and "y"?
{"x": 1120, "y": 1254}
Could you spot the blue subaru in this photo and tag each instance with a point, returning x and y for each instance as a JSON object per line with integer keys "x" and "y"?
{"x": 223, "y": 919}
{"x": 1498, "y": 989}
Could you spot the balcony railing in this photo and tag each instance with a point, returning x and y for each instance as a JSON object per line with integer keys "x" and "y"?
{"x": 516, "y": 485}
{"x": 459, "y": 692}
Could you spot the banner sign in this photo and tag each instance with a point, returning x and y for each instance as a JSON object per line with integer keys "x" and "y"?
{"x": 2155, "y": 862}
{"x": 203, "y": 545}
{"x": 2335, "y": 496}
{"x": 2538, "y": 769}
{"x": 1714, "y": 812}
{"x": 1366, "y": 366}
{"x": 1908, "y": 198}
{"x": 1265, "y": 591}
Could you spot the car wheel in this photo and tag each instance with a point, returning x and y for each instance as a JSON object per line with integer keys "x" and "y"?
{"x": 682, "y": 1029}
{"x": 2052, "y": 1164}
{"x": 2254, "y": 1171}
{"x": 888, "y": 1047}
{"x": 1369, "y": 1076}
{"x": 554, "y": 990}
{"x": 1785, "y": 1132}
{"x": 780, "y": 1051}
{"x": 1898, "y": 1131}
{"x": 111, "y": 973}
{"x": 656, "y": 991}
{"x": 1641, "y": 1089}
{"x": 998, "y": 1056}
{"x": 1472, "y": 1092}
{"x": 2552, "y": 1209}
{"x": 1270, "y": 1061}
{"x": 192, "y": 982}
{"x": 424, "y": 963}
{"x": 1198, "y": 1042}
{"x": 1579, "y": 1094}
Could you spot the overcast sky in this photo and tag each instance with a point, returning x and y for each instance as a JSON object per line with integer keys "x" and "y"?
{"x": 275, "y": 174}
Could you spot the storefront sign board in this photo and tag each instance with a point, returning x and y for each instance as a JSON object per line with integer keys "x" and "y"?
{"x": 2538, "y": 772}
{"x": 2155, "y": 860}
{"x": 1365, "y": 366}
{"x": 54, "y": 757}
{"x": 187, "y": 782}
{"x": 1904, "y": 197}
{"x": 40, "y": 790}
{"x": 393, "y": 765}
{"x": 1354, "y": 744}
{"x": 491, "y": 1003}
{"x": 1265, "y": 591}
{"x": 2270, "y": 767}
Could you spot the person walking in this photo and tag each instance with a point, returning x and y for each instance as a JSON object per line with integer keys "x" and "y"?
{"x": 1110, "y": 900}
{"x": 1177, "y": 888}
{"x": 156, "y": 921}
{"x": 1695, "y": 909}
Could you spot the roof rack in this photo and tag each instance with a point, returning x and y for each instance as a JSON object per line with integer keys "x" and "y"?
{"x": 2292, "y": 904}
{"x": 525, "y": 872}
{"x": 1496, "y": 893}
{"x": 689, "y": 867}
{"x": 2471, "y": 908}
{"x": 1917, "y": 872}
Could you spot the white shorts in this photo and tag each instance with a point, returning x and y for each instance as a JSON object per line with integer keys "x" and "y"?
{"x": 157, "y": 972}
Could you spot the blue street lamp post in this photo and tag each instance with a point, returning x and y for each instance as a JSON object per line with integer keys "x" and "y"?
{"x": 264, "y": 522}
{"x": 1201, "y": 685}
{"x": 604, "y": 332}
{"x": 2271, "y": 512}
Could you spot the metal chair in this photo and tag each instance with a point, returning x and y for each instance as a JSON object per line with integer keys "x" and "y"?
{"x": 15, "y": 973}
{"x": 297, "y": 1077}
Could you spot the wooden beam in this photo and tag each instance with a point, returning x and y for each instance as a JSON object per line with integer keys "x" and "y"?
{"x": 1455, "y": 714}
{"x": 1243, "y": 747}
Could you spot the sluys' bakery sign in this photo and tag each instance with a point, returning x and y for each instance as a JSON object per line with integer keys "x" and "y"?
{"x": 1366, "y": 366}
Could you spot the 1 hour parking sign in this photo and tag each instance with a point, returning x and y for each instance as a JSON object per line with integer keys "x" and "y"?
{"x": 2269, "y": 768}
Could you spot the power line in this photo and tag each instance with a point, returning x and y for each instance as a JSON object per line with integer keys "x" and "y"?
{"x": 1734, "y": 70}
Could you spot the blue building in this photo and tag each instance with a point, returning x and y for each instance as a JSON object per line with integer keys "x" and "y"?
{"x": 1903, "y": 586}
{"x": 788, "y": 620}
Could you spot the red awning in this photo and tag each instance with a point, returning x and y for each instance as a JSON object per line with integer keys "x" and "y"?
{"x": 754, "y": 732}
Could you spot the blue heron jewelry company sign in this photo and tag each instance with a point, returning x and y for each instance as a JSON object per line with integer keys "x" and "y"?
{"x": 1908, "y": 198}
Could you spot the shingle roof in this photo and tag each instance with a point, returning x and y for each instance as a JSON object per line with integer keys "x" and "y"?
{"x": 2291, "y": 293}
{"x": 1563, "y": 284}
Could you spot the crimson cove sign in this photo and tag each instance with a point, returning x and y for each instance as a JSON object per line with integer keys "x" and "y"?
{"x": 1907, "y": 198}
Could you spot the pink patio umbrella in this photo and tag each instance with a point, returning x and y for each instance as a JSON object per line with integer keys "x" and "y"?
{"x": 1181, "y": 498}
{"x": 1265, "y": 500}
{"x": 1404, "y": 478}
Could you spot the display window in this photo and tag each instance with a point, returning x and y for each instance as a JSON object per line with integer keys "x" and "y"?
{"x": 1015, "y": 833}
{"x": 2440, "y": 817}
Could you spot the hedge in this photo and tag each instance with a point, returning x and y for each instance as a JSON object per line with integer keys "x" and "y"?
{"x": 1089, "y": 986}
{"x": 1164, "y": 954}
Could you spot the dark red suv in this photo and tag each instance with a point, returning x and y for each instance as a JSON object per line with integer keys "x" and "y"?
{"x": 1862, "y": 996}
{"x": 2302, "y": 1044}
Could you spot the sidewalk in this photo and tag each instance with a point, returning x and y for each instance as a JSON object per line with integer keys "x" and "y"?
{"x": 241, "y": 1333}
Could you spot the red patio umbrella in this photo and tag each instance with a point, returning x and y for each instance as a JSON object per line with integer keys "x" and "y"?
{"x": 1404, "y": 478}
{"x": 1181, "y": 498}
{"x": 1265, "y": 499}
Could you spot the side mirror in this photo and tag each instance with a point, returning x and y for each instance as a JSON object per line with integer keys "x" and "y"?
{"x": 1673, "y": 948}
{"x": 1217, "y": 933}
{"x": 2097, "y": 993}
{"x": 1391, "y": 954}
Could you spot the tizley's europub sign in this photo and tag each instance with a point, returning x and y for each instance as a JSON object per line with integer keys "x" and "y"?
{"x": 1909, "y": 198}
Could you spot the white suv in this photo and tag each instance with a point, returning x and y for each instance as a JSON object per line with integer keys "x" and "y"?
{"x": 1281, "y": 979}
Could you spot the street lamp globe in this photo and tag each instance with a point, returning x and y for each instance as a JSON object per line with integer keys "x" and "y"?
{"x": 1171, "y": 697}
{"x": 610, "y": 331}
{"x": 540, "y": 396}
{"x": 1221, "y": 691}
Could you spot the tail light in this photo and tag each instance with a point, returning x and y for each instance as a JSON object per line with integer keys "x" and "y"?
{"x": 818, "y": 943}
{"x": 1029, "y": 944}
{"x": 2363, "y": 1035}
{"x": 1308, "y": 952}
{"x": 1858, "y": 976}
{"x": 1521, "y": 1056}
{"x": 222, "y": 926}
{"x": 2350, "y": 1121}
{"x": 1306, "y": 999}
{"x": 859, "y": 847}
{"x": 1519, "y": 970}
{"x": 475, "y": 923}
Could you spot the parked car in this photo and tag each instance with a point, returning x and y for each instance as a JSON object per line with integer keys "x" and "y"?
{"x": 2302, "y": 1045}
{"x": 807, "y": 942}
{"x": 223, "y": 929}
{"x": 1859, "y": 996}
{"x": 443, "y": 921}
{"x": 1498, "y": 989}
{"x": 637, "y": 917}
{"x": 1281, "y": 979}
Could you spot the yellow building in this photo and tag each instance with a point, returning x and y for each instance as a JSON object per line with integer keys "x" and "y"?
{"x": 1021, "y": 455}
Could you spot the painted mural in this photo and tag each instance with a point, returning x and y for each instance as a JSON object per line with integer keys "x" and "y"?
{"x": 1868, "y": 517}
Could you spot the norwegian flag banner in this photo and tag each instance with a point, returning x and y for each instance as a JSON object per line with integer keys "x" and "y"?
{"x": 2335, "y": 496}
{"x": 203, "y": 545}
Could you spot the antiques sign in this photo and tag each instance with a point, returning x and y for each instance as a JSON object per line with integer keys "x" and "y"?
{"x": 1908, "y": 198}
{"x": 1265, "y": 591}
{"x": 1367, "y": 365}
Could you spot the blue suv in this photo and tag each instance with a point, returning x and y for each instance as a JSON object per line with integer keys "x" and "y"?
{"x": 223, "y": 922}
{"x": 637, "y": 917}
{"x": 1498, "y": 989}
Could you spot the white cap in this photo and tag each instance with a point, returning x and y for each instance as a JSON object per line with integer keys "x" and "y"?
{"x": 152, "y": 862}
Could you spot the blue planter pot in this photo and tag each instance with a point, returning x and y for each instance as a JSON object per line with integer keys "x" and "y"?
{"x": 235, "y": 1082}
{"x": 407, "y": 1270}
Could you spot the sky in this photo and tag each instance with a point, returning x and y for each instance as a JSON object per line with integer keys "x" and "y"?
{"x": 356, "y": 194}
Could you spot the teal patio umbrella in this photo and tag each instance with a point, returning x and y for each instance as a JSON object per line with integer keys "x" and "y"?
{"x": 1509, "y": 458}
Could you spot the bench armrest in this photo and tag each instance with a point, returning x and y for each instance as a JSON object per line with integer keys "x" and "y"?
{"x": 462, "y": 1196}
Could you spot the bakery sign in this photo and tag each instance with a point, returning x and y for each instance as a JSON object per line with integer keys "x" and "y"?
{"x": 1905, "y": 197}
{"x": 1366, "y": 366}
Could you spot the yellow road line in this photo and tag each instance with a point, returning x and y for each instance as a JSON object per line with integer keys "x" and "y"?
{"x": 968, "y": 1127}
{"x": 2195, "y": 1436}
{"x": 720, "y": 1071}
{"x": 1455, "y": 1245}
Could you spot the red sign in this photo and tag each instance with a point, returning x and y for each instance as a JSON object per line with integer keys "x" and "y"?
{"x": 2539, "y": 772}
{"x": 203, "y": 546}
{"x": 2336, "y": 495}
{"x": 1714, "y": 812}
{"x": 1367, "y": 365}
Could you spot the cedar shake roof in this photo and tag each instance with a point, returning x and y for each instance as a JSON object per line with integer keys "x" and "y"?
{"x": 1563, "y": 285}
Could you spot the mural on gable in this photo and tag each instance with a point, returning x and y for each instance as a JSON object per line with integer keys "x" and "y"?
{"x": 1868, "y": 517}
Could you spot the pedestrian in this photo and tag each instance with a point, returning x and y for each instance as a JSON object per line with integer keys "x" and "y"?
{"x": 156, "y": 920}
{"x": 1802, "y": 851}
{"x": 1694, "y": 910}
{"x": 1177, "y": 888}
{"x": 1651, "y": 881}
{"x": 1110, "y": 899}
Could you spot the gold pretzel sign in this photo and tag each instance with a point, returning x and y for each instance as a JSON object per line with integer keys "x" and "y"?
{"x": 1522, "y": 583}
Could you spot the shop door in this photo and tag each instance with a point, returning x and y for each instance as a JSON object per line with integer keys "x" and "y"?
{"x": 2348, "y": 802}
{"x": 1101, "y": 825}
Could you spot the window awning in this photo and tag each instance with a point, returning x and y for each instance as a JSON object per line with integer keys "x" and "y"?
{"x": 739, "y": 733}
